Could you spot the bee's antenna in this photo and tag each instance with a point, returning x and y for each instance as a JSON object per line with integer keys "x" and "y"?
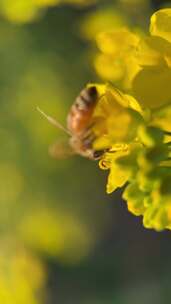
{"x": 54, "y": 122}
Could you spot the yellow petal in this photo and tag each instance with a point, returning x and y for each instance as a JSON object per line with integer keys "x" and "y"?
{"x": 132, "y": 67}
{"x": 116, "y": 118}
{"x": 117, "y": 178}
{"x": 151, "y": 86}
{"x": 161, "y": 24}
{"x": 103, "y": 19}
{"x": 153, "y": 51}
{"x": 115, "y": 42}
{"x": 133, "y": 104}
{"x": 108, "y": 67}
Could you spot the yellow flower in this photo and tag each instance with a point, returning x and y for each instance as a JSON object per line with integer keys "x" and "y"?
{"x": 117, "y": 176}
{"x": 117, "y": 42}
{"x": 102, "y": 19}
{"x": 116, "y": 117}
{"x": 121, "y": 161}
{"x": 140, "y": 63}
{"x": 117, "y": 61}
{"x": 135, "y": 129}
{"x": 152, "y": 51}
{"x": 151, "y": 84}
{"x": 161, "y": 24}
{"x": 109, "y": 68}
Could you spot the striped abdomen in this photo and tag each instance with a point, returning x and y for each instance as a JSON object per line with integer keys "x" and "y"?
{"x": 79, "y": 117}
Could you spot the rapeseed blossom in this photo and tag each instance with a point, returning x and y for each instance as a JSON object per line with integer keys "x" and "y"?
{"x": 116, "y": 60}
{"x": 139, "y": 63}
{"x": 134, "y": 126}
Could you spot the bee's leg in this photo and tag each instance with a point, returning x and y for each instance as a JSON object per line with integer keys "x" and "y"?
{"x": 90, "y": 126}
{"x": 87, "y": 134}
{"x": 88, "y": 140}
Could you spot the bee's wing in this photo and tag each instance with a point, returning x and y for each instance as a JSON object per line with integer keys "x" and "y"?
{"x": 61, "y": 150}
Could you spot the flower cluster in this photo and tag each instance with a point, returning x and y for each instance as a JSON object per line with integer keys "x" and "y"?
{"x": 137, "y": 62}
{"x": 134, "y": 129}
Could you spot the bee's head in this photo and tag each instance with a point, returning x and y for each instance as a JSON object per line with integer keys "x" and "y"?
{"x": 92, "y": 91}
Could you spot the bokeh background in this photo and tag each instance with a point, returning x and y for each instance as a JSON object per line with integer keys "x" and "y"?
{"x": 62, "y": 239}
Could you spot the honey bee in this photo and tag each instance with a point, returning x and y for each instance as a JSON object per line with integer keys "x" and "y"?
{"x": 79, "y": 127}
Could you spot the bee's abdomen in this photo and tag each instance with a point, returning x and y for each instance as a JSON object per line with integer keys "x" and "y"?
{"x": 86, "y": 99}
{"x": 78, "y": 121}
{"x": 89, "y": 95}
{"x": 81, "y": 111}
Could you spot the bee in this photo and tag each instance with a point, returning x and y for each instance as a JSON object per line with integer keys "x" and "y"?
{"x": 79, "y": 127}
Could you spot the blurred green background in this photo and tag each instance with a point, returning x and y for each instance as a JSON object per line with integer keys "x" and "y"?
{"x": 63, "y": 240}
